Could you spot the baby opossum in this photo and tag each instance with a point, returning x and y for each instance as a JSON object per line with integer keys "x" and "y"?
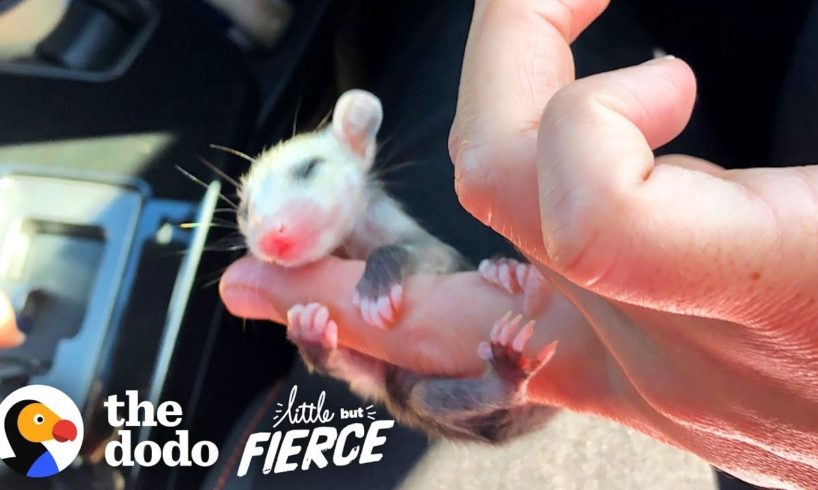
{"x": 311, "y": 196}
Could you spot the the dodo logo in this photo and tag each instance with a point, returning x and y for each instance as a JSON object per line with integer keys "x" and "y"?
{"x": 41, "y": 431}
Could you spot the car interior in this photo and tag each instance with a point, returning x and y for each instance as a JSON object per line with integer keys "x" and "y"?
{"x": 104, "y": 119}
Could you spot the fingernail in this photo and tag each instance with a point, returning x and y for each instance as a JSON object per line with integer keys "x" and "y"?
{"x": 246, "y": 303}
{"x": 660, "y": 59}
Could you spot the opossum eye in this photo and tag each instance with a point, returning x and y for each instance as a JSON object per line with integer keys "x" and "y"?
{"x": 306, "y": 169}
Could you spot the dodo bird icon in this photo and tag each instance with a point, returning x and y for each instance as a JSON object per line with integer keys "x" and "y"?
{"x": 28, "y": 425}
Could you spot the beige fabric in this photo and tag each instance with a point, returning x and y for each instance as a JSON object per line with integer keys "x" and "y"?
{"x": 573, "y": 452}
{"x": 25, "y": 24}
{"x": 263, "y": 20}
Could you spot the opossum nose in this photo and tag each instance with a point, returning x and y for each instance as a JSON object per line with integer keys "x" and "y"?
{"x": 277, "y": 241}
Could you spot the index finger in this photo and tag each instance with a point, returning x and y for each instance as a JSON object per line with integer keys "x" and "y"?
{"x": 441, "y": 341}
{"x": 443, "y": 320}
{"x": 517, "y": 56}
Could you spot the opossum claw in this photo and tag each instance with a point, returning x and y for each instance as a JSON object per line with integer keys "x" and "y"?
{"x": 508, "y": 274}
{"x": 379, "y": 293}
{"x": 515, "y": 277}
{"x": 504, "y": 350}
{"x": 311, "y": 324}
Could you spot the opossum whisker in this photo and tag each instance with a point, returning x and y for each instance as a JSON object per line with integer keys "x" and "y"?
{"x": 230, "y": 248}
{"x": 386, "y": 140}
{"x": 236, "y": 235}
{"x": 234, "y": 152}
{"x": 232, "y": 242}
{"x": 229, "y": 240}
{"x": 220, "y": 249}
{"x": 323, "y": 122}
{"x": 219, "y": 172}
{"x": 223, "y": 221}
{"x": 216, "y": 221}
{"x": 383, "y": 145}
{"x": 295, "y": 116}
{"x": 191, "y": 176}
{"x": 199, "y": 181}
{"x": 214, "y": 280}
{"x": 381, "y": 171}
{"x": 209, "y": 275}
{"x": 188, "y": 226}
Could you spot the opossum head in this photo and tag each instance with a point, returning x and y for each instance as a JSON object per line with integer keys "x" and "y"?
{"x": 302, "y": 197}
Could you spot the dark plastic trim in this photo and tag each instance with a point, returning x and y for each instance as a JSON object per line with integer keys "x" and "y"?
{"x": 34, "y": 67}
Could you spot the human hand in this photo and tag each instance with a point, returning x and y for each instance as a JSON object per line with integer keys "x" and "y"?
{"x": 10, "y": 335}
{"x": 697, "y": 281}
{"x": 684, "y": 300}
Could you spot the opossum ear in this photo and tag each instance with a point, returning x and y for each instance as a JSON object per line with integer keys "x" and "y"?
{"x": 355, "y": 122}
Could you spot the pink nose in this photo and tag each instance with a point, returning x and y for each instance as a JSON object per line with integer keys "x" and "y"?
{"x": 276, "y": 242}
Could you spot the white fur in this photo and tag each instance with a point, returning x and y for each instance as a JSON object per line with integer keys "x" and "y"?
{"x": 338, "y": 185}
{"x": 337, "y": 193}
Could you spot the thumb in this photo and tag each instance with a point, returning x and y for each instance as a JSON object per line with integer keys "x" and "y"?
{"x": 517, "y": 56}
{"x": 595, "y": 142}
{"x": 672, "y": 233}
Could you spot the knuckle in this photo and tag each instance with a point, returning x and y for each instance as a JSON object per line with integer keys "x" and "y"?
{"x": 573, "y": 98}
{"x": 585, "y": 230}
{"x": 585, "y": 219}
{"x": 473, "y": 181}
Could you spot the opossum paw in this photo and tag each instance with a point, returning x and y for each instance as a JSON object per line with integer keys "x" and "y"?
{"x": 506, "y": 273}
{"x": 515, "y": 277}
{"x": 379, "y": 310}
{"x": 504, "y": 350}
{"x": 379, "y": 293}
{"x": 311, "y": 325}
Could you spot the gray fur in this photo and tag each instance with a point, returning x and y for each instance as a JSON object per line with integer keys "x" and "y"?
{"x": 395, "y": 246}
{"x": 491, "y": 408}
{"x": 385, "y": 266}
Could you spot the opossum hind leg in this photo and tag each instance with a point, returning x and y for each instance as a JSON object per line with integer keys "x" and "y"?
{"x": 315, "y": 334}
{"x": 494, "y": 406}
